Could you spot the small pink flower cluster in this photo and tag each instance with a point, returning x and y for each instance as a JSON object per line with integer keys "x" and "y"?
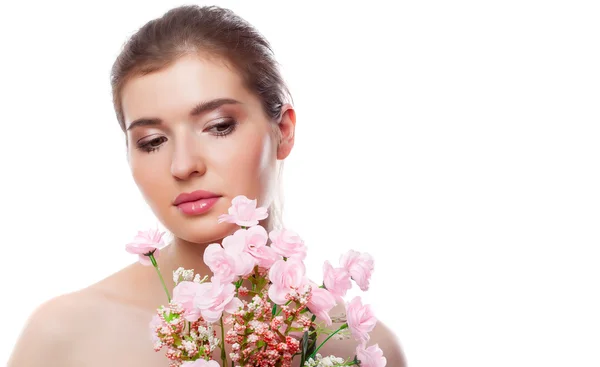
{"x": 168, "y": 330}
{"x": 260, "y": 290}
{"x": 261, "y": 337}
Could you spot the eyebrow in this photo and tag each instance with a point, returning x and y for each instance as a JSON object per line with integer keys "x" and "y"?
{"x": 199, "y": 109}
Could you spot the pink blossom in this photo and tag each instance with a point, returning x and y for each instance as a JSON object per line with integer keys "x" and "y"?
{"x": 287, "y": 276}
{"x": 154, "y": 324}
{"x": 288, "y": 244}
{"x": 256, "y": 245}
{"x": 146, "y": 243}
{"x": 321, "y": 302}
{"x": 243, "y": 212}
{"x": 371, "y": 356}
{"x": 360, "y": 266}
{"x": 214, "y": 298}
{"x": 361, "y": 319}
{"x": 200, "y": 363}
{"x": 231, "y": 260}
{"x": 336, "y": 280}
{"x": 184, "y": 294}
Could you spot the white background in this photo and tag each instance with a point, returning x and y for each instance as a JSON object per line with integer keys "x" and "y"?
{"x": 458, "y": 142}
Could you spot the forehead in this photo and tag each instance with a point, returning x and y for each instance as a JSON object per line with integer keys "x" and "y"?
{"x": 169, "y": 93}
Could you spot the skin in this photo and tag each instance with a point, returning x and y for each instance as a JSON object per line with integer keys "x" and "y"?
{"x": 106, "y": 324}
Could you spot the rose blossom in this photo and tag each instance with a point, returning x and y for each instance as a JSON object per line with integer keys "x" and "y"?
{"x": 184, "y": 294}
{"x": 200, "y": 363}
{"x": 287, "y": 243}
{"x": 321, "y": 302}
{"x": 256, "y": 245}
{"x": 361, "y": 319}
{"x": 286, "y": 276}
{"x": 360, "y": 267}
{"x": 336, "y": 280}
{"x": 243, "y": 212}
{"x": 371, "y": 356}
{"x": 215, "y": 297}
{"x": 144, "y": 243}
{"x": 231, "y": 260}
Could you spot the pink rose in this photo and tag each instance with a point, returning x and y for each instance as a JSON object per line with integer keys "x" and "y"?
{"x": 336, "y": 280}
{"x": 146, "y": 243}
{"x": 361, "y": 319}
{"x": 321, "y": 302}
{"x": 243, "y": 212}
{"x": 184, "y": 294}
{"x": 200, "y": 363}
{"x": 371, "y": 356}
{"x": 214, "y": 298}
{"x": 256, "y": 245}
{"x": 220, "y": 262}
{"x": 286, "y": 276}
{"x": 360, "y": 266}
{"x": 231, "y": 260}
{"x": 288, "y": 244}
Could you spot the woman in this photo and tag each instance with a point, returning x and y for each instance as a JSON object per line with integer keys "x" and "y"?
{"x": 207, "y": 117}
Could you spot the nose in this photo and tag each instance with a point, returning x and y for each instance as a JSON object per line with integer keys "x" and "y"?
{"x": 187, "y": 158}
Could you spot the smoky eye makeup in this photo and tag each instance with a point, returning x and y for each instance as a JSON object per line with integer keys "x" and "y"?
{"x": 151, "y": 143}
{"x": 222, "y": 127}
{"x": 218, "y": 128}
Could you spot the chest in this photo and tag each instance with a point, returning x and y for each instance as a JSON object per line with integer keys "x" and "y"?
{"x": 115, "y": 337}
{"x": 121, "y": 337}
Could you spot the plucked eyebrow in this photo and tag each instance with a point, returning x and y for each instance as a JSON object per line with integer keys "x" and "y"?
{"x": 199, "y": 109}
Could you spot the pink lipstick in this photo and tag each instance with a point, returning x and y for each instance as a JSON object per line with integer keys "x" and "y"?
{"x": 196, "y": 203}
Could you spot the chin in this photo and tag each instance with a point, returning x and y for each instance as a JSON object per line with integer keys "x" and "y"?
{"x": 201, "y": 230}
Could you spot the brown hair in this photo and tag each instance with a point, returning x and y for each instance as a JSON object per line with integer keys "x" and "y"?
{"x": 209, "y": 30}
{"x": 214, "y": 32}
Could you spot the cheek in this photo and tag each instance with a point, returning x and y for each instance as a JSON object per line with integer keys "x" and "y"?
{"x": 249, "y": 166}
{"x": 150, "y": 180}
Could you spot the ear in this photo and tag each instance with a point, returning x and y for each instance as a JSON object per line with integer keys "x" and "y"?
{"x": 287, "y": 128}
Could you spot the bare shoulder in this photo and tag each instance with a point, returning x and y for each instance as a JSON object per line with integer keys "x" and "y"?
{"x": 58, "y": 329}
{"x": 68, "y": 330}
{"x": 389, "y": 343}
{"x": 382, "y": 335}
{"x": 50, "y": 331}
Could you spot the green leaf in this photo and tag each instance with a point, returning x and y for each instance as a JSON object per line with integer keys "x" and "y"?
{"x": 304, "y": 342}
{"x": 274, "y": 311}
{"x": 238, "y": 284}
{"x": 313, "y": 342}
{"x": 170, "y": 317}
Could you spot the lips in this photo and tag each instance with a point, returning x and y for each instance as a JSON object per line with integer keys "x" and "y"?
{"x": 194, "y": 196}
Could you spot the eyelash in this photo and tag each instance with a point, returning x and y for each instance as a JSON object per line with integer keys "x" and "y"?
{"x": 229, "y": 125}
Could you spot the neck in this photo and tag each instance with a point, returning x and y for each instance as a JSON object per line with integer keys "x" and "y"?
{"x": 188, "y": 255}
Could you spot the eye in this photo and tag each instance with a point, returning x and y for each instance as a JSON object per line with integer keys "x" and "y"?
{"x": 223, "y": 128}
{"x": 151, "y": 145}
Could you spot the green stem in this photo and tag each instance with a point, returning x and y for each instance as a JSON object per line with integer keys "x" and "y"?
{"x": 223, "y": 356}
{"x": 151, "y": 256}
{"x": 329, "y": 337}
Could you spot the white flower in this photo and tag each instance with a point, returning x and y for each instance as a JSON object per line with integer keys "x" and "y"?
{"x": 182, "y": 274}
{"x": 331, "y": 361}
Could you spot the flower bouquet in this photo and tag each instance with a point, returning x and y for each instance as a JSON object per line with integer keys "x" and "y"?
{"x": 260, "y": 294}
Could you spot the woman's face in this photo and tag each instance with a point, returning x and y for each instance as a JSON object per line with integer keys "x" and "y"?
{"x": 194, "y": 126}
